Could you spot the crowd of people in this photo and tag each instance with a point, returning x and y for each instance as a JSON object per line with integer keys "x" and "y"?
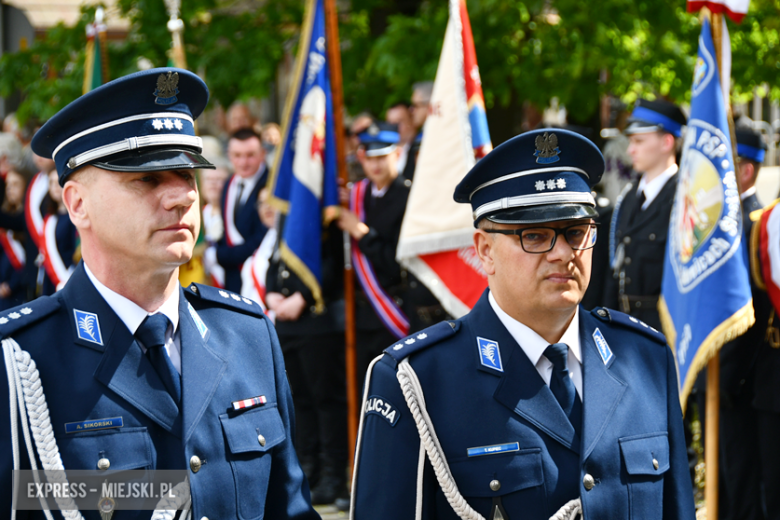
{"x": 41, "y": 248}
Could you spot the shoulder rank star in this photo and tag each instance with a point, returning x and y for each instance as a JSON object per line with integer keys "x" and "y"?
{"x": 167, "y": 88}
{"x": 547, "y": 149}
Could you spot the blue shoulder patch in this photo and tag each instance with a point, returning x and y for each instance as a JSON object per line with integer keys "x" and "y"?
{"x": 422, "y": 339}
{"x": 619, "y": 318}
{"x": 225, "y": 298}
{"x": 17, "y": 318}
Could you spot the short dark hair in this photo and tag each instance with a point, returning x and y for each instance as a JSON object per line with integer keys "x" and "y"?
{"x": 243, "y": 134}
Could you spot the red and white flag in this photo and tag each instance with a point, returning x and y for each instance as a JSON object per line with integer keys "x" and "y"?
{"x": 436, "y": 242}
{"x": 734, "y": 9}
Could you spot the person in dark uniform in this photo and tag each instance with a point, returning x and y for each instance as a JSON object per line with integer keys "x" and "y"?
{"x": 138, "y": 372}
{"x": 374, "y": 222}
{"x": 529, "y": 405}
{"x": 740, "y": 453}
{"x": 313, "y": 347}
{"x": 640, "y": 220}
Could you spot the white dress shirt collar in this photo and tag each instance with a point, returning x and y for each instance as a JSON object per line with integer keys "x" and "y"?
{"x": 747, "y": 193}
{"x": 534, "y": 345}
{"x": 250, "y": 183}
{"x": 654, "y": 187}
{"x": 131, "y": 313}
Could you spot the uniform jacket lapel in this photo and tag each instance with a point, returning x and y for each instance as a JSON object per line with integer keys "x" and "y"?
{"x": 123, "y": 367}
{"x": 202, "y": 367}
{"x": 660, "y": 203}
{"x": 521, "y": 388}
{"x": 601, "y": 389}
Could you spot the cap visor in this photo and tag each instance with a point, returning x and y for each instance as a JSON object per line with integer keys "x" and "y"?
{"x": 153, "y": 160}
{"x": 540, "y": 214}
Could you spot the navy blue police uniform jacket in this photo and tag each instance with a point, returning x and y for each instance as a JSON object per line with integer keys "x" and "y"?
{"x": 632, "y": 442}
{"x": 229, "y": 352}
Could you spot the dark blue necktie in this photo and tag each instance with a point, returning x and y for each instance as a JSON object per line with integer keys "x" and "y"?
{"x": 151, "y": 333}
{"x": 561, "y": 384}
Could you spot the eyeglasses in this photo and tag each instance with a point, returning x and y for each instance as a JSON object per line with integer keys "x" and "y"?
{"x": 542, "y": 239}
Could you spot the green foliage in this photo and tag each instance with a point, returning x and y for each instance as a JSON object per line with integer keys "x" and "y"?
{"x": 528, "y": 50}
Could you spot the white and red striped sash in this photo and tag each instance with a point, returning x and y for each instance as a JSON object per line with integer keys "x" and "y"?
{"x": 14, "y": 249}
{"x": 232, "y": 235}
{"x": 36, "y": 191}
{"x": 52, "y": 259}
{"x": 383, "y": 304}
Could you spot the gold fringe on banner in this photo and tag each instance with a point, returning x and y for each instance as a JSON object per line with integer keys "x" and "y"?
{"x": 734, "y": 326}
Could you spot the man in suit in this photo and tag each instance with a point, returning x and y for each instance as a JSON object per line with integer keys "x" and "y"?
{"x": 528, "y": 402}
{"x": 135, "y": 371}
{"x": 243, "y": 229}
{"x": 640, "y": 220}
{"x": 746, "y": 449}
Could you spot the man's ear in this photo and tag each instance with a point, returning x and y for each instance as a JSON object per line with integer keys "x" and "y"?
{"x": 483, "y": 244}
{"x": 669, "y": 143}
{"x": 73, "y": 196}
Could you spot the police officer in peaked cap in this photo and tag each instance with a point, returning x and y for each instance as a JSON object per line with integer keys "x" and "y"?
{"x": 640, "y": 220}
{"x": 528, "y": 405}
{"x": 138, "y": 372}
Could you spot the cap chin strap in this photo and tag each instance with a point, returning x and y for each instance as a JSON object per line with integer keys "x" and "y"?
{"x": 134, "y": 143}
{"x": 413, "y": 394}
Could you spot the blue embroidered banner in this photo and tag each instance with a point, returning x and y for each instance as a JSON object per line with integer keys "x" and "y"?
{"x": 706, "y": 299}
{"x": 303, "y": 179}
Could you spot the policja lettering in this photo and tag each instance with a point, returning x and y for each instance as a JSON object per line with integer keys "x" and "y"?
{"x": 380, "y": 406}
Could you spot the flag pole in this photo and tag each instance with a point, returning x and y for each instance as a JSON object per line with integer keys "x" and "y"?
{"x": 334, "y": 61}
{"x": 711, "y": 438}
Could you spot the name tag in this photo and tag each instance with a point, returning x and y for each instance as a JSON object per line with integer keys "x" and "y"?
{"x": 97, "y": 424}
{"x": 492, "y": 450}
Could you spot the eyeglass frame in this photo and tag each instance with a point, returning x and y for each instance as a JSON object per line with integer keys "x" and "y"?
{"x": 557, "y": 231}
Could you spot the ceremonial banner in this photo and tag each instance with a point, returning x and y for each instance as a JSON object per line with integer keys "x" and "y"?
{"x": 734, "y": 9}
{"x": 436, "y": 235}
{"x": 705, "y": 293}
{"x": 303, "y": 179}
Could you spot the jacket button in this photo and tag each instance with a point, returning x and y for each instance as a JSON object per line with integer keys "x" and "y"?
{"x": 285, "y": 274}
{"x": 655, "y": 463}
{"x": 261, "y": 440}
{"x": 627, "y": 260}
{"x": 495, "y": 485}
{"x": 588, "y": 481}
{"x": 195, "y": 463}
{"x": 627, "y": 240}
{"x": 194, "y": 288}
{"x": 602, "y": 313}
{"x": 652, "y": 236}
{"x": 103, "y": 464}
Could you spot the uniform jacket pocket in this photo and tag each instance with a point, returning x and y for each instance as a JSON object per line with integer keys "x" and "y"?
{"x": 508, "y": 472}
{"x": 646, "y": 459}
{"x": 122, "y": 449}
{"x": 250, "y": 437}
